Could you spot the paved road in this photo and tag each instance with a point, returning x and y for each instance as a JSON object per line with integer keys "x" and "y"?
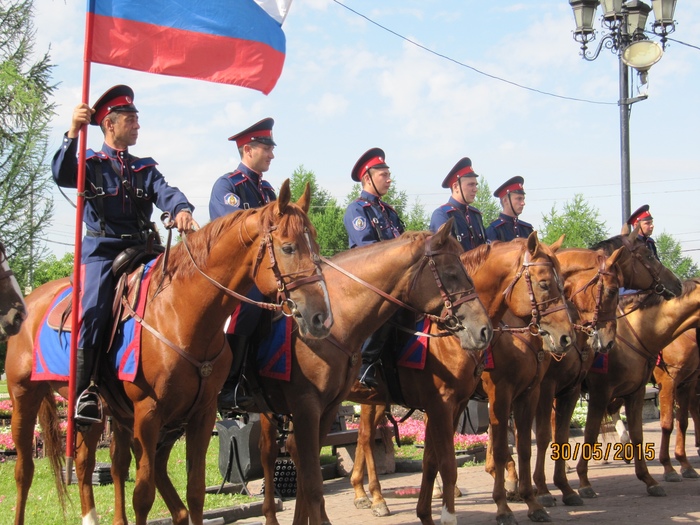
{"x": 622, "y": 498}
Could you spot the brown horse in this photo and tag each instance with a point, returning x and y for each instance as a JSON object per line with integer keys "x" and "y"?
{"x": 443, "y": 388}
{"x": 677, "y": 377}
{"x": 13, "y": 311}
{"x": 562, "y": 381}
{"x": 591, "y": 282}
{"x": 422, "y": 271}
{"x": 649, "y": 324}
{"x": 184, "y": 356}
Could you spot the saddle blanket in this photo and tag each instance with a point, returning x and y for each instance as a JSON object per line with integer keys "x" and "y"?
{"x": 600, "y": 364}
{"x": 52, "y": 349}
{"x": 274, "y": 357}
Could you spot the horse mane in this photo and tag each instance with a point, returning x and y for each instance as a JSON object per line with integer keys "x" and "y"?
{"x": 643, "y": 301}
{"x": 473, "y": 259}
{"x": 609, "y": 245}
{"x": 292, "y": 223}
{"x": 368, "y": 249}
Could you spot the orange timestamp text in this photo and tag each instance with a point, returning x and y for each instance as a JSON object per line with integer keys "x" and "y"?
{"x": 600, "y": 452}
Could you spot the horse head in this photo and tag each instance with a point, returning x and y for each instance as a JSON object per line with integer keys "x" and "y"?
{"x": 591, "y": 282}
{"x": 549, "y": 312}
{"x": 464, "y": 314}
{"x": 640, "y": 268}
{"x": 288, "y": 263}
{"x": 13, "y": 311}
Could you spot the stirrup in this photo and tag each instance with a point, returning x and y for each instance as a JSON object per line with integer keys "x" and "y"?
{"x": 368, "y": 379}
{"x": 88, "y": 406}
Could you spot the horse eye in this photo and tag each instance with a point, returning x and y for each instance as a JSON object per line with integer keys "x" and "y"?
{"x": 544, "y": 285}
{"x": 288, "y": 249}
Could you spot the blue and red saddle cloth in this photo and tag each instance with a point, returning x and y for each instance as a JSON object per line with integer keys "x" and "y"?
{"x": 52, "y": 348}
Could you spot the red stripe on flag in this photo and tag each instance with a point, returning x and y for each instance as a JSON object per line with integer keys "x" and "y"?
{"x": 174, "y": 52}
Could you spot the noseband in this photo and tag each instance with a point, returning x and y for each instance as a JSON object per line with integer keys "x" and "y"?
{"x": 590, "y": 327}
{"x": 537, "y": 307}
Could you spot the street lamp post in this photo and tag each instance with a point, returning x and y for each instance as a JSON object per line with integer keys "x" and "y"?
{"x": 625, "y": 36}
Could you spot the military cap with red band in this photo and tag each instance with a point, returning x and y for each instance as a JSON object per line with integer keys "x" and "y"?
{"x": 372, "y": 158}
{"x": 463, "y": 168}
{"x": 258, "y": 132}
{"x": 641, "y": 214}
{"x": 117, "y": 98}
{"x": 512, "y": 185}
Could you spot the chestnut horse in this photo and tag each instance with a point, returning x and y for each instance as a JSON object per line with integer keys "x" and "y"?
{"x": 647, "y": 324}
{"x": 677, "y": 377}
{"x": 443, "y": 388}
{"x": 423, "y": 272}
{"x": 184, "y": 356}
{"x": 13, "y": 311}
{"x": 562, "y": 381}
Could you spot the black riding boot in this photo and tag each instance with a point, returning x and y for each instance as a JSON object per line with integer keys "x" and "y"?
{"x": 232, "y": 394}
{"x": 88, "y": 406}
{"x": 371, "y": 352}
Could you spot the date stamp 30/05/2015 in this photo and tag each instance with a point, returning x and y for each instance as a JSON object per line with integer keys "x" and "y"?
{"x": 600, "y": 452}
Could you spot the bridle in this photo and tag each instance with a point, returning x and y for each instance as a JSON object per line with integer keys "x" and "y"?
{"x": 539, "y": 309}
{"x": 635, "y": 251}
{"x": 451, "y": 301}
{"x": 590, "y": 327}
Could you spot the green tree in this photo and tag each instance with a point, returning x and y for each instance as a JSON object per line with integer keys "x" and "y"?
{"x": 579, "y": 221}
{"x": 486, "y": 203}
{"x": 672, "y": 257}
{"x": 52, "y": 268}
{"x": 325, "y": 214}
{"x": 26, "y": 207}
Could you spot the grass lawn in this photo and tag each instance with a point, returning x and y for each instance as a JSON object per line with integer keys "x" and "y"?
{"x": 43, "y": 507}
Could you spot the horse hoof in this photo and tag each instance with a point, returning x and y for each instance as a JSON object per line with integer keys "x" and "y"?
{"x": 363, "y": 503}
{"x": 506, "y": 519}
{"x": 380, "y": 510}
{"x": 657, "y": 491}
{"x": 547, "y": 500}
{"x": 672, "y": 477}
{"x": 587, "y": 492}
{"x": 539, "y": 516}
{"x": 458, "y": 493}
{"x": 573, "y": 500}
{"x": 689, "y": 473}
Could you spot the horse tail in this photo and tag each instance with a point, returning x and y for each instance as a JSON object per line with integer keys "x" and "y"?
{"x": 53, "y": 444}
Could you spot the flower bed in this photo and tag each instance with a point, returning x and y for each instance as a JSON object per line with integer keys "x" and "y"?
{"x": 7, "y": 444}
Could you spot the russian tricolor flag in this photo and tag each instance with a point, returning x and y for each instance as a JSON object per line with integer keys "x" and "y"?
{"x": 227, "y": 41}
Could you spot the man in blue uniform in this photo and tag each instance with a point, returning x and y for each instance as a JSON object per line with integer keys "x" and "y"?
{"x": 643, "y": 217}
{"x": 368, "y": 220}
{"x": 242, "y": 189}
{"x": 120, "y": 191}
{"x": 468, "y": 225}
{"x": 508, "y": 226}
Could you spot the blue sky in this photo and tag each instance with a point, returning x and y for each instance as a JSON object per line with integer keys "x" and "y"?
{"x": 349, "y": 85}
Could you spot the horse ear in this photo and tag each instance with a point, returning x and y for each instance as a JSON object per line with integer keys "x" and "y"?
{"x": 555, "y": 246}
{"x": 625, "y": 230}
{"x": 283, "y": 198}
{"x": 304, "y": 201}
{"x": 443, "y": 232}
{"x": 614, "y": 257}
{"x": 533, "y": 243}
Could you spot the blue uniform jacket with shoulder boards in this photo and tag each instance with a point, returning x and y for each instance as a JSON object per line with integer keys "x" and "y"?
{"x": 238, "y": 190}
{"x": 368, "y": 220}
{"x": 468, "y": 226}
{"x": 651, "y": 244}
{"x": 507, "y": 228}
{"x": 110, "y": 212}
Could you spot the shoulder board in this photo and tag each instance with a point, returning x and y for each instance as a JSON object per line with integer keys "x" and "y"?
{"x": 526, "y": 224}
{"x": 237, "y": 177}
{"x": 449, "y": 208}
{"x": 92, "y": 154}
{"x": 472, "y": 208}
{"x": 498, "y": 223}
{"x": 362, "y": 202}
{"x": 139, "y": 164}
{"x": 267, "y": 186}
{"x": 386, "y": 205}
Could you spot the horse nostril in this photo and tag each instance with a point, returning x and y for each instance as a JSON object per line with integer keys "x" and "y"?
{"x": 486, "y": 334}
{"x": 565, "y": 341}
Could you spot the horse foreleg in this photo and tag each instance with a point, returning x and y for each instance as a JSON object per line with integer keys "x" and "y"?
{"x": 269, "y": 450}
{"x": 566, "y": 404}
{"x": 362, "y": 449}
{"x": 198, "y": 436}
{"x": 543, "y": 434}
{"x": 146, "y": 432}
{"x": 120, "y": 452}
{"x": 171, "y": 498}
{"x": 439, "y": 455}
{"x": 598, "y": 401}
{"x": 523, "y": 411}
{"x": 85, "y": 447}
{"x": 666, "y": 401}
{"x": 366, "y": 434}
{"x": 634, "y": 403}
{"x": 683, "y": 395}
